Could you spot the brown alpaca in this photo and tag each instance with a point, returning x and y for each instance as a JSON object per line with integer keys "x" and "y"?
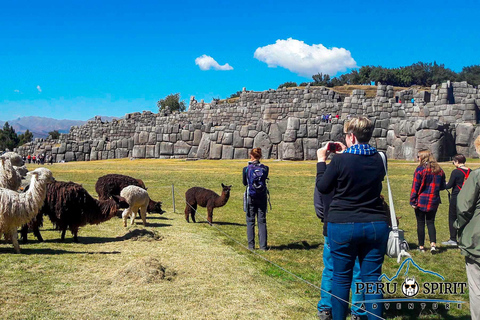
{"x": 205, "y": 198}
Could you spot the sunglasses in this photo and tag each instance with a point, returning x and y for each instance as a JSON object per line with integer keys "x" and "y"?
{"x": 413, "y": 286}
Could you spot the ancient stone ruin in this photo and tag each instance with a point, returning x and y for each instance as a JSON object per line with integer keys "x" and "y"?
{"x": 286, "y": 123}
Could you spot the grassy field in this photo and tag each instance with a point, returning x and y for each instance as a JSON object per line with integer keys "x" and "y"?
{"x": 175, "y": 270}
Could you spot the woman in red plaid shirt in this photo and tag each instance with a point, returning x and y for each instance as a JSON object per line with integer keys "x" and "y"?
{"x": 428, "y": 180}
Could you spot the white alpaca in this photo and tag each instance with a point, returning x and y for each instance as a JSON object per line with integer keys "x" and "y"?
{"x": 16, "y": 209}
{"x": 15, "y": 158}
{"x": 137, "y": 198}
{"x": 9, "y": 177}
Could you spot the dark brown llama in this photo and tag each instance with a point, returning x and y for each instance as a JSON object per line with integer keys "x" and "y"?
{"x": 205, "y": 198}
{"x": 70, "y": 206}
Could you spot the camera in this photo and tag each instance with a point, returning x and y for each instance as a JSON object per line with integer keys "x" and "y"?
{"x": 331, "y": 147}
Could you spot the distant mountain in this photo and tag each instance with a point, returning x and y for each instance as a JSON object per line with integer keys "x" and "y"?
{"x": 41, "y": 126}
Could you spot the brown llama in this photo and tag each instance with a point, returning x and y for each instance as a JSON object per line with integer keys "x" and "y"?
{"x": 205, "y": 198}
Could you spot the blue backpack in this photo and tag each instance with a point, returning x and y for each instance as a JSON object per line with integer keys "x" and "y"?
{"x": 257, "y": 180}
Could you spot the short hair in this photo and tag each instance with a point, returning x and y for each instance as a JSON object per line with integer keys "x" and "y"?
{"x": 477, "y": 144}
{"x": 361, "y": 127}
{"x": 256, "y": 153}
{"x": 460, "y": 158}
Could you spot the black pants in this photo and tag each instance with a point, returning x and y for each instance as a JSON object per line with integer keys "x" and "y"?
{"x": 428, "y": 218}
{"x": 452, "y": 216}
{"x": 257, "y": 208}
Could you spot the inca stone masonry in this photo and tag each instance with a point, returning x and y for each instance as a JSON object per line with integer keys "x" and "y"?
{"x": 286, "y": 124}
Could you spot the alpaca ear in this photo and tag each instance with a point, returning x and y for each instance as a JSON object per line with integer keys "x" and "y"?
{"x": 223, "y": 186}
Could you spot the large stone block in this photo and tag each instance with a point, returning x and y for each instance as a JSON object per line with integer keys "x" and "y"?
{"x": 204, "y": 146}
{"x": 336, "y": 133}
{"x": 138, "y": 152}
{"x": 292, "y": 150}
{"x": 215, "y": 151}
{"x": 150, "y": 151}
{"x": 241, "y": 153}
{"x": 293, "y": 123}
{"x": 166, "y": 148}
{"x": 248, "y": 142}
{"x": 310, "y": 147}
{"x": 290, "y": 135}
{"x": 262, "y": 140}
{"x": 143, "y": 137}
{"x": 227, "y": 138}
{"x": 193, "y": 152}
{"x": 227, "y": 152}
{"x": 432, "y": 140}
{"x": 181, "y": 148}
{"x": 197, "y": 137}
{"x": 69, "y": 156}
{"x": 237, "y": 140}
{"x": 275, "y": 133}
{"x": 464, "y": 132}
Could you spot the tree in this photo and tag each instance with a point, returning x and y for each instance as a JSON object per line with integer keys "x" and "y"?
{"x": 54, "y": 134}
{"x": 173, "y": 102}
{"x": 8, "y": 137}
{"x": 25, "y": 137}
{"x": 288, "y": 85}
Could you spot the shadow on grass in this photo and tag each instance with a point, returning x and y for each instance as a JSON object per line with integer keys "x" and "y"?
{"x": 302, "y": 245}
{"x": 29, "y": 251}
{"x": 154, "y": 224}
{"x": 414, "y": 247}
{"x": 428, "y": 312}
{"x": 223, "y": 223}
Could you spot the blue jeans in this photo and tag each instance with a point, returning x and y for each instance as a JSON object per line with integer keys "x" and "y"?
{"x": 325, "y": 302}
{"x": 368, "y": 242}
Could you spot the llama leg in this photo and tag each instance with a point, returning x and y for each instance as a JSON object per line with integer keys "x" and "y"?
{"x": 14, "y": 236}
{"x": 36, "y": 232}
{"x": 194, "y": 210}
{"x": 125, "y": 215}
{"x": 75, "y": 234}
{"x": 63, "y": 234}
{"x": 24, "y": 233}
{"x": 187, "y": 213}
{"x": 209, "y": 215}
{"x": 143, "y": 214}
{"x": 133, "y": 215}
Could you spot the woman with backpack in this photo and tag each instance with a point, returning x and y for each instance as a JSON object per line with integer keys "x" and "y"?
{"x": 457, "y": 179}
{"x": 255, "y": 177}
{"x": 428, "y": 180}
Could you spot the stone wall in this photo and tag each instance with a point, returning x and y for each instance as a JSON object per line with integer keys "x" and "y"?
{"x": 286, "y": 123}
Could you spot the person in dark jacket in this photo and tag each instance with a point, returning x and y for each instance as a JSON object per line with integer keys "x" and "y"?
{"x": 324, "y": 307}
{"x": 256, "y": 205}
{"x": 457, "y": 179}
{"x": 468, "y": 226}
{"x": 357, "y": 221}
{"x": 428, "y": 180}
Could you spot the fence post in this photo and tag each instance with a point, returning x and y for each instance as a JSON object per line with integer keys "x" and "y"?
{"x": 173, "y": 197}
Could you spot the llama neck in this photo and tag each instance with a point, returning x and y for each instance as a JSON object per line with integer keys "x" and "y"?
{"x": 33, "y": 199}
{"x": 222, "y": 200}
{"x": 106, "y": 210}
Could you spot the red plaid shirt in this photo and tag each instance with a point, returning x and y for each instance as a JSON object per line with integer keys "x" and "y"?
{"x": 426, "y": 189}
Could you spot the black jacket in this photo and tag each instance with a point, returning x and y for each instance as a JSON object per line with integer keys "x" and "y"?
{"x": 357, "y": 183}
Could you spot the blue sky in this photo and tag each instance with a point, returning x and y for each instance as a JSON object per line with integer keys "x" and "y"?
{"x": 78, "y": 59}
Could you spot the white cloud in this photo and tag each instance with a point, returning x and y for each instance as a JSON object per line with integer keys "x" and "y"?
{"x": 206, "y": 63}
{"x": 305, "y": 60}
{"x": 39, "y": 89}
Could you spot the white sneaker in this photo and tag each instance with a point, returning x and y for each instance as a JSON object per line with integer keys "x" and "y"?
{"x": 433, "y": 250}
{"x": 450, "y": 243}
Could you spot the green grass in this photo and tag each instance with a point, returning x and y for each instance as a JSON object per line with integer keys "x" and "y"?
{"x": 54, "y": 280}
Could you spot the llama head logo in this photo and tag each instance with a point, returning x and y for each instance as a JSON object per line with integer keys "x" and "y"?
{"x": 410, "y": 287}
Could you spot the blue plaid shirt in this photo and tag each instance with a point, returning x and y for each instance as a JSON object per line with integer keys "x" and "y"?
{"x": 361, "y": 149}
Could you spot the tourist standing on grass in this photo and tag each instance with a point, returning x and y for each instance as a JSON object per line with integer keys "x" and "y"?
{"x": 428, "y": 180}
{"x": 357, "y": 221}
{"x": 457, "y": 179}
{"x": 255, "y": 177}
{"x": 324, "y": 306}
{"x": 468, "y": 225}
